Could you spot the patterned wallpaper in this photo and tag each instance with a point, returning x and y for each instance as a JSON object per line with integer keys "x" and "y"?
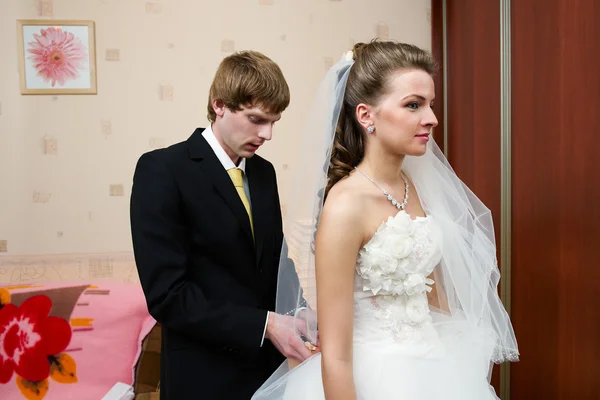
{"x": 66, "y": 162}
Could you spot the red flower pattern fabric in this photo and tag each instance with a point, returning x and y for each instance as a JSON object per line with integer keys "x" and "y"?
{"x": 28, "y": 335}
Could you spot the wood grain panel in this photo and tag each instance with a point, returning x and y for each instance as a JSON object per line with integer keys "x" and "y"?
{"x": 437, "y": 50}
{"x": 473, "y": 90}
{"x": 474, "y": 97}
{"x": 556, "y": 193}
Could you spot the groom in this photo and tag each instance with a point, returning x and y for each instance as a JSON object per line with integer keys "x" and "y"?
{"x": 207, "y": 235}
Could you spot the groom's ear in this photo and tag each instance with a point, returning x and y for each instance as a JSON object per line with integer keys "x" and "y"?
{"x": 218, "y": 107}
{"x": 364, "y": 115}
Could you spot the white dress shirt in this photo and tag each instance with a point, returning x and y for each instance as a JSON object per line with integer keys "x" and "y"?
{"x": 227, "y": 163}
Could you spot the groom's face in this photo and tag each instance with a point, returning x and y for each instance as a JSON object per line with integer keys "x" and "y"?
{"x": 241, "y": 133}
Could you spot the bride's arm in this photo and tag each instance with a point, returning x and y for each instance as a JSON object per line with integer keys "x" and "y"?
{"x": 338, "y": 242}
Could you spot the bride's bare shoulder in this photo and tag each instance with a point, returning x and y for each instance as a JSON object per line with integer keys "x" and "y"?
{"x": 345, "y": 202}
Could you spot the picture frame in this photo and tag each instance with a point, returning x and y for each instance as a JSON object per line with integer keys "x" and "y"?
{"x": 57, "y": 57}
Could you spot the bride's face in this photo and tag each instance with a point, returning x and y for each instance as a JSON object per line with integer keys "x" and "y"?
{"x": 404, "y": 117}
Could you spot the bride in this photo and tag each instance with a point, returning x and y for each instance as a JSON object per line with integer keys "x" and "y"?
{"x": 404, "y": 257}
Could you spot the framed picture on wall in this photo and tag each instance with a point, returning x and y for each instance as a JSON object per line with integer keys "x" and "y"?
{"x": 57, "y": 56}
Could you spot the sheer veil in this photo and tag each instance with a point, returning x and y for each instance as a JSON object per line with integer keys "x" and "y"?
{"x": 468, "y": 274}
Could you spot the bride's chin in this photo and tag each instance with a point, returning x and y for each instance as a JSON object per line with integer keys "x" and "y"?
{"x": 416, "y": 151}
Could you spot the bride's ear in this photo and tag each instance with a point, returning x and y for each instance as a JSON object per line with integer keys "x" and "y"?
{"x": 364, "y": 116}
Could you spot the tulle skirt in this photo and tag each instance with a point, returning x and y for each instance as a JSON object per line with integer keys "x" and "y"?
{"x": 451, "y": 362}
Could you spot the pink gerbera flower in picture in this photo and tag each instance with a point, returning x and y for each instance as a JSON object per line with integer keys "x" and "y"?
{"x": 56, "y": 55}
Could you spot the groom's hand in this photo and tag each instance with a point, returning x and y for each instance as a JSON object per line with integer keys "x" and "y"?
{"x": 283, "y": 331}
{"x": 306, "y": 318}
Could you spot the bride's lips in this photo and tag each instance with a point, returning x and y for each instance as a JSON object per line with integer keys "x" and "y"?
{"x": 424, "y": 137}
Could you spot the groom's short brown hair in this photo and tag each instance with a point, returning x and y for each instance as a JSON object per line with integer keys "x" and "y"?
{"x": 249, "y": 78}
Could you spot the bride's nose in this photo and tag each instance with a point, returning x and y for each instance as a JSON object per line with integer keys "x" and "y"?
{"x": 430, "y": 119}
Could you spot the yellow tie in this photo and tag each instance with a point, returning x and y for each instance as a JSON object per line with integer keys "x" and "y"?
{"x": 236, "y": 177}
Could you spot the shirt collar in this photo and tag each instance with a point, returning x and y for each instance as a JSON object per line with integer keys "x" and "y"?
{"x": 214, "y": 144}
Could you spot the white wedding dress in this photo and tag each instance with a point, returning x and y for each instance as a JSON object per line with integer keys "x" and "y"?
{"x": 402, "y": 349}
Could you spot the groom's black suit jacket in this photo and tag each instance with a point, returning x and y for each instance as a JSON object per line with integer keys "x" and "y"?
{"x": 206, "y": 281}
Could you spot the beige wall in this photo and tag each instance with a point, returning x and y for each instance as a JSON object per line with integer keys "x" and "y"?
{"x": 153, "y": 96}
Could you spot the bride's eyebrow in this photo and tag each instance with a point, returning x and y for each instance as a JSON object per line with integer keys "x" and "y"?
{"x": 418, "y": 96}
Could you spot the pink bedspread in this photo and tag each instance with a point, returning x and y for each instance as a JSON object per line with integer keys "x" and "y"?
{"x": 70, "y": 340}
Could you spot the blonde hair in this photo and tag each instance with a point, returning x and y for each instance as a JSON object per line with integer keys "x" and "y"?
{"x": 249, "y": 78}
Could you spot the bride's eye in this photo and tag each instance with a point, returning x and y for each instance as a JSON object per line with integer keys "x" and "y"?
{"x": 413, "y": 105}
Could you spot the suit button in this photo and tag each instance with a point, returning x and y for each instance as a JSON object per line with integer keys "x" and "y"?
{"x": 230, "y": 350}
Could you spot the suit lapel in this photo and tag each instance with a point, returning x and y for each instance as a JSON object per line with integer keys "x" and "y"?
{"x": 259, "y": 188}
{"x": 213, "y": 169}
